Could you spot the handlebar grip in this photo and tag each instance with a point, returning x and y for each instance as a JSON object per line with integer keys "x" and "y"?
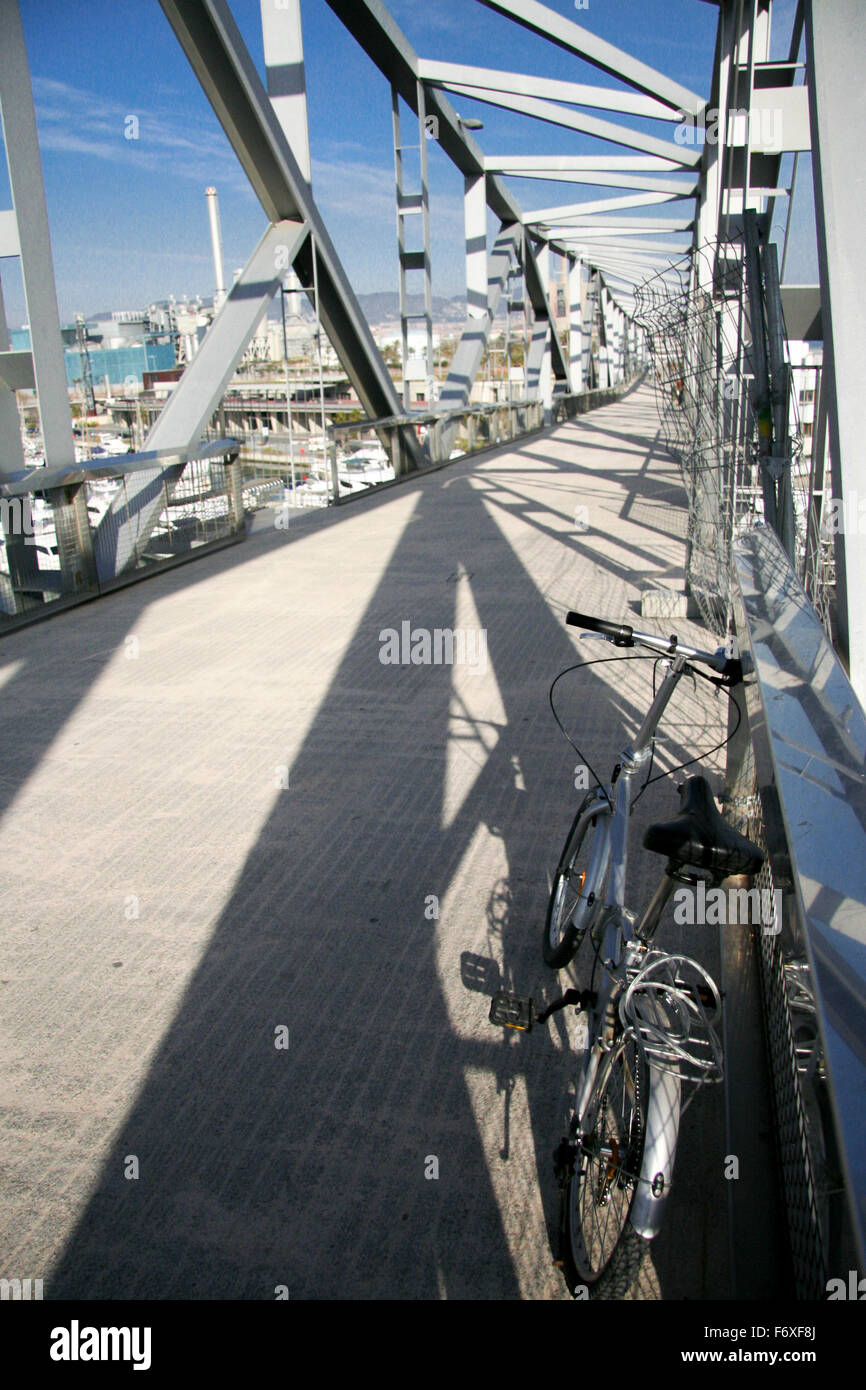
{"x": 620, "y": 632}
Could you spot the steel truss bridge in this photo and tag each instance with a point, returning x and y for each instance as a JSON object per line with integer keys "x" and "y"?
{"x": 692, "y": 293}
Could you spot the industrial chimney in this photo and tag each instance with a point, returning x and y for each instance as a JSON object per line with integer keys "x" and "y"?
{"x": 213, "y": 212}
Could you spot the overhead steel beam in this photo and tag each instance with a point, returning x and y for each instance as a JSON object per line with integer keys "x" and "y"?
{"x": 616, "y": 226}
{"x": 370, "y": 23}
{"x": 679, "y": 188}
{"x": 553, "y": 114}
{"x": 539, "y": 164}
{"x": 374, "y": 28}
{"x": 574, "y": 240}
{"x": 217, "y": 54}
{"x": 586, "y": 209}
{"x": 528, "y": 84}
{"x": 601, "y": 54}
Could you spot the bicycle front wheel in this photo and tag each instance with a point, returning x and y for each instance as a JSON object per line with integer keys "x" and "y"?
{"x": 601, "y": 1250}
{"x": 562, "y": 933}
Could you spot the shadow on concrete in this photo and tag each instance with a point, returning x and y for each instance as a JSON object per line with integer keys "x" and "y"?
{"x": 309, "y": 1167}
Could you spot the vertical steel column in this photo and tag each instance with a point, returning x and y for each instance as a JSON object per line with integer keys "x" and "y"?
{"x": 283, "y": 41}
{"x": 760, "y": 368}
{"x": 413, "y": 204}
{"x": 23, "y": 568}
{"x": 589, "y": 320}
{"x": 545, "y": 380}
{"x": 836, "y": 59}
{"x": 618, "y": 330}
{"x": 475, "y": 221}
{"x": 37, "y": 263}
{"x": 424, "y": 137}
{"x": 779, "y": 391}
{"x": 575, "y": 326}
{"x": 11, "y": 448}
{"x": 401, "y": 243}
{"x": 74, "y": 541}
{"x": 813, "y": 566}
{"x": 603, "y": 347}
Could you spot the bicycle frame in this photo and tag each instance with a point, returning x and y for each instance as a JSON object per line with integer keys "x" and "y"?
{"x": 620, "y": 950}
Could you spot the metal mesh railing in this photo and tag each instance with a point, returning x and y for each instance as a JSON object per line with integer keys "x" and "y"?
{"x": 796, "y": 1064}
{"x": 695, "y": 316}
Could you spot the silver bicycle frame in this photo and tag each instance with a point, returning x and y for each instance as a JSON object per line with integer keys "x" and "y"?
{"x": 620, "y": 949}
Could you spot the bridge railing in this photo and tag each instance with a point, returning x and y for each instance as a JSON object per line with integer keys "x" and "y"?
{"x": 69, "y": 534}
{"x": 800, "y": 789}
{"x": 445, "y": 435}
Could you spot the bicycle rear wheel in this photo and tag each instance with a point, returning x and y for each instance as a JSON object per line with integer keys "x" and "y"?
{"x": 601, "y": 1251}
{"x": 561, "y": 936}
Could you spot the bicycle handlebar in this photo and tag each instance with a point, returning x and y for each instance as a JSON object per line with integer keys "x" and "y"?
{"x": 620, "y": 632}
{"x": 622, "y": 635}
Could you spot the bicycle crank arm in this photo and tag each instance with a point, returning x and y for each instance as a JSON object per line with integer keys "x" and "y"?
{"x": 514, "y": 1011}
{"x": 580, "y": 998}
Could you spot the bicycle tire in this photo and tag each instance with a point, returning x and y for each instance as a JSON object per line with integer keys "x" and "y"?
{"x": 603, "y": 1173}
{"x": 561, "y": 937}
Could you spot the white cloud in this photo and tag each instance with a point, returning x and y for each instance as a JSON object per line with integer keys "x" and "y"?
{"x": 74, "y": 121}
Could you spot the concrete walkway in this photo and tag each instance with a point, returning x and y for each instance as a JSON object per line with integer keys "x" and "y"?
{"x": 174, "y": 912}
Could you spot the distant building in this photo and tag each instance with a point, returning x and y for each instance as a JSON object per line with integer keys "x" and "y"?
{"x": 117, "y": 363}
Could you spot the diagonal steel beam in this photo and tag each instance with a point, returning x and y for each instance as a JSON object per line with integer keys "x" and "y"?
{"x": 126, "y": 528}
{"x": 217, "y": 54}
{"x": 537, "y": 292}
{"x": 601, "y": 54}
{"x": 201, "y": 388}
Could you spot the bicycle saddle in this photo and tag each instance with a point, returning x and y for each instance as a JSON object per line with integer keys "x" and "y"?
{"x": 699, "y": 836}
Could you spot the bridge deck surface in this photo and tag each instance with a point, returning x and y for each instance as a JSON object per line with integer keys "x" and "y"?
{"x": 169, "y": 904}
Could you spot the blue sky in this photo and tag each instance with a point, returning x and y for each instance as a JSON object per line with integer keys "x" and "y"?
{"x": 128, "y": 217}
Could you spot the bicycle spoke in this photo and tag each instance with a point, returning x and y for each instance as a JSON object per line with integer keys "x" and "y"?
{"x": 605, "y": 1179}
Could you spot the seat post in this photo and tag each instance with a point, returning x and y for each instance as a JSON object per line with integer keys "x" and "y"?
{"x": 647, "y": 928}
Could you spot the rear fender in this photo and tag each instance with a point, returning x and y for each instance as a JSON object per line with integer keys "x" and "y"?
{"x": 656, "y": 1174}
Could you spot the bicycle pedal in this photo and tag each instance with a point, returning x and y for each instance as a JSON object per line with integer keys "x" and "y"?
{"x": 511, "y": 1011}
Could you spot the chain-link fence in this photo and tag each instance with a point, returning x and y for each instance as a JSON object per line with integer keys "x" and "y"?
{"x": 736, "y": 433}
{"x": 732, "y": 419}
